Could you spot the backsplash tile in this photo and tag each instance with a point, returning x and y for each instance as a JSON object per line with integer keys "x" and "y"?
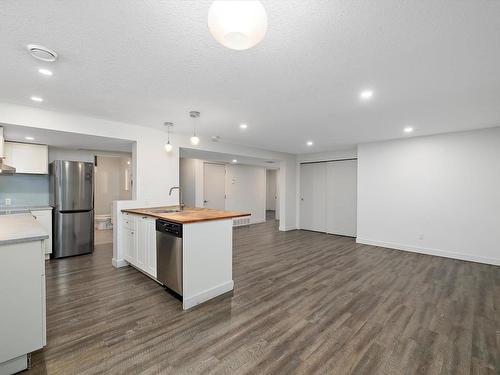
{"x": 25, "y": 189}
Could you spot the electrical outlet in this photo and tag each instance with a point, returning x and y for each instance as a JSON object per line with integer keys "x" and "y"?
{"x": 8, "y": 202}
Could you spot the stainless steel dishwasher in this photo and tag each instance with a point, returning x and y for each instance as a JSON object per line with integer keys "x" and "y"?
{"x": 169, "y": 254}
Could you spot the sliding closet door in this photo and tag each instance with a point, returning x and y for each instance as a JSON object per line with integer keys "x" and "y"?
{"x": 341, "y": 202}
{"x": 313, "y": 196}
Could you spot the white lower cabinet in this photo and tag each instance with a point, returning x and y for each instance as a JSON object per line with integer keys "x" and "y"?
{"x": 22, "y": 312}
{"x": 130, "y": 246}
{"x": 150, "y": 227}
{"x": 44, "y": 217}
{"x": 140, "y": 243}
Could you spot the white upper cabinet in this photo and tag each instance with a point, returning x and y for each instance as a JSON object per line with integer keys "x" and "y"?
{"x": 27, "y": 158}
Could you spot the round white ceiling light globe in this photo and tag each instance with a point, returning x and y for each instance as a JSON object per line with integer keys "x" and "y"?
{"x": 237, "y": 25}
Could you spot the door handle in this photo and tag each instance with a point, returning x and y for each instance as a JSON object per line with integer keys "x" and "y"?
{"x": 302, "y": 199}
{"x": 205, "y": 201}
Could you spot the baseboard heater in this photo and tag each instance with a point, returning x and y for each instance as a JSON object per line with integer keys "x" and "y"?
{"x": 238, "y": 222}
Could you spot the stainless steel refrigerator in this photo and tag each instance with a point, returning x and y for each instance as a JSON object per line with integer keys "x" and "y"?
{"x": 72, "y": 199}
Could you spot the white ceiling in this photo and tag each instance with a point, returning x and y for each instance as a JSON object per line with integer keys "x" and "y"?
{"x": 433, "y": 65}
{"x": 61, "y": 139}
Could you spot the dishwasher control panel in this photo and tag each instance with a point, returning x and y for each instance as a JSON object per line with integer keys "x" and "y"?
{"x": 169, "y": 227}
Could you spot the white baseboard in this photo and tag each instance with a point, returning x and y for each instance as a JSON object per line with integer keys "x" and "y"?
{"x": 192, "y": 301}
{"x": 117, "y": 263}
{"x": 14, "y": 365}
{"x": 428, "y": 251}
{"x": 286, "y": 229}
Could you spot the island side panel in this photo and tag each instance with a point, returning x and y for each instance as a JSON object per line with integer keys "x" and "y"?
{"x": 207, "y": 261}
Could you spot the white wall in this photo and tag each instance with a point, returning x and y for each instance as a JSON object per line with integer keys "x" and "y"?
{"x": 246, "y": 190}
{"x": 245, "y": 187}
{"x": 187, "y": 181}
{"x": 438, "y": 195}
{"x": 56, "y": 153}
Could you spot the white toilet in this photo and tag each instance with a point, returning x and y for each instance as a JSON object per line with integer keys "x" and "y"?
{"x": 103, "y": 222}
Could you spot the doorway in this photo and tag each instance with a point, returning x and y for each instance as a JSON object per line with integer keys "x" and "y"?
{"x": 214, "y": 186}
{"x": 272, "y": 195}
{"x": 112, "y": 182}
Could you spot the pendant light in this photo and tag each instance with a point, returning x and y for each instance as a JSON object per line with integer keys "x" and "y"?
{"x": 168, "y": 145}
{"x": 237, "y": 25}
{"x": 195, "y": 140}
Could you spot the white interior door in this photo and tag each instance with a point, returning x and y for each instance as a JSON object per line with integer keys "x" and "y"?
{"x": 313, "y": 197}
{"x": 277, "y": 212}
{"x": 270, "y": 190}
{"x": 341, "y": 202}
{"x": 214, "y": 186}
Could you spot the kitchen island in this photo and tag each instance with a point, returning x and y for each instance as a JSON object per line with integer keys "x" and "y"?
{"x": 189, "y": 251}
{"x": 22, "y": 290}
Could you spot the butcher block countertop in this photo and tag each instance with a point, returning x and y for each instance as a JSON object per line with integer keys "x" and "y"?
{"x": 187, "y": 215}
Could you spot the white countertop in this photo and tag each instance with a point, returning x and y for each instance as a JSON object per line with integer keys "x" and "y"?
{"x": 17, "y": 228}
{"x": 29, "y": 208}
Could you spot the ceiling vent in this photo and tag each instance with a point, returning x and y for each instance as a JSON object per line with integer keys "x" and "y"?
{"x": 42, "y": 53}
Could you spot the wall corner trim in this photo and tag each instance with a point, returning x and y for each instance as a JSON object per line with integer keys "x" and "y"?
{"x": 428, "y": 251}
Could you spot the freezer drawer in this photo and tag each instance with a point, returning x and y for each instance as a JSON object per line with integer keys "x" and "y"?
{"x": 73, "y": 233}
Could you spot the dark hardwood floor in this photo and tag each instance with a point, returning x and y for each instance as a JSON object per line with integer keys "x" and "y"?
{"x": 303, "y": 303}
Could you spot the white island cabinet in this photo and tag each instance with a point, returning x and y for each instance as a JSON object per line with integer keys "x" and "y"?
{"x": 22, "y": 290}
{"x": 203, "y": 261}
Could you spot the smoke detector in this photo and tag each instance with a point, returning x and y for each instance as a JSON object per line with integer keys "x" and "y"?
{"x": 42, "y": 53}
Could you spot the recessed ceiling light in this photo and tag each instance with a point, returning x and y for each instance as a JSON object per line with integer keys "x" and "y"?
{"x": 234, "y": 161}
{"x": 243, "y": 126}
{"x": 408, "y": 129}
{"x": 37, "y": 99}
{"x": 310, "y": 143}
{"x": 45, "y": 72}
{"x": 366, "y": 94}
{"x": 28, "y": 138}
